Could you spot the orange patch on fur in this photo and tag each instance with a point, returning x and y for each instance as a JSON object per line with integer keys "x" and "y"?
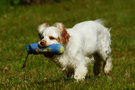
{"x": 58, "y": 39}
{"x": 46, "y": 25}
{"x": 64, "y": 36}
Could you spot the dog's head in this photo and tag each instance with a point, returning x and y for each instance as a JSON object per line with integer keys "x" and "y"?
{"x": 55, "y": 34}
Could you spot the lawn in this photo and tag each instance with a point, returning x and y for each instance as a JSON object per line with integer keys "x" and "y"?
{"x": 18, "y": 27}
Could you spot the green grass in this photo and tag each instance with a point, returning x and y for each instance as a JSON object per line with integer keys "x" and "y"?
{"x": 18, "y": 27}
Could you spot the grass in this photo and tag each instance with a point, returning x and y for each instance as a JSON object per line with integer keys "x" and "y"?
{"x": 18, "y": 27}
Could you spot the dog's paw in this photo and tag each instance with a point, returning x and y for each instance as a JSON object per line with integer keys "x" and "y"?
{"x": 107, "y": 72}
{"x": 79, "y": 78}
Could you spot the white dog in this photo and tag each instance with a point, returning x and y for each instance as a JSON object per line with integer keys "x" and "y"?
{"x": 82, "y": 42}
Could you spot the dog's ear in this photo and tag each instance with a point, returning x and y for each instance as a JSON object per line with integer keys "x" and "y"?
{"x": 64, "y": 36}
{"x": 41, "y": 29}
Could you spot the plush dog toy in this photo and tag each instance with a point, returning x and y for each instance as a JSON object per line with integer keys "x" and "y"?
{"x": 54, "y": 49}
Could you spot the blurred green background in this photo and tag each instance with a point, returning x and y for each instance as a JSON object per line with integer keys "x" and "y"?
{"x": 19, "y": 20}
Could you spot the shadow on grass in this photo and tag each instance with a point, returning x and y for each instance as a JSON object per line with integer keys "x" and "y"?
{"x": 49, "y": 81}
{"x": 60, "y": 80}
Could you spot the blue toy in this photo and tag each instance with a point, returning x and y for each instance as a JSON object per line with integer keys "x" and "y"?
{"x": 54, "y": 49}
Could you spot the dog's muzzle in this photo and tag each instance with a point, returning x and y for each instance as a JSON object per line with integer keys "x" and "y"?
{"x": 42, "y": 43}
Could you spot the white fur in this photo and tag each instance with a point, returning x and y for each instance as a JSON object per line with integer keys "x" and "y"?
{"x": 87, "y": 40}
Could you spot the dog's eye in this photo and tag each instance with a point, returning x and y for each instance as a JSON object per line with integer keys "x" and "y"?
{"x": 51, "y": 37}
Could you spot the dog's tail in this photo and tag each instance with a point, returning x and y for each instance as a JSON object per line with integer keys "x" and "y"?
{"x": 99, "y": 21}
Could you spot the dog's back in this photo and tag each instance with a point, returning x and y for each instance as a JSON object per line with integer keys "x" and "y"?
{"x": 92, "y": 34}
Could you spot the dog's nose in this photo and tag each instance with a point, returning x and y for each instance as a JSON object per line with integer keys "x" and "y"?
{"x": 43, "y": 42}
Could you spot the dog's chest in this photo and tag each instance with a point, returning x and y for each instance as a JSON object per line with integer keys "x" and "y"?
{"x": 63, "y": 62}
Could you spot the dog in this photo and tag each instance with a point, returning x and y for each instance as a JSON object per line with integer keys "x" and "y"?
{"x": 82, "y": 43}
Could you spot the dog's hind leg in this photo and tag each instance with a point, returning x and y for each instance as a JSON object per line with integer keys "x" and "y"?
{"x": 97, "y": 64}
{"x": 107, "y": 65}
{"x": 105, "y": 52}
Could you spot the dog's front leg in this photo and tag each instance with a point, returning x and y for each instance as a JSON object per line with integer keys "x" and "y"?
{"x": 80, "y": 72}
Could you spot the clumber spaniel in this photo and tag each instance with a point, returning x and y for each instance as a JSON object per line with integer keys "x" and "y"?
{"x": 81, "y": 43}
